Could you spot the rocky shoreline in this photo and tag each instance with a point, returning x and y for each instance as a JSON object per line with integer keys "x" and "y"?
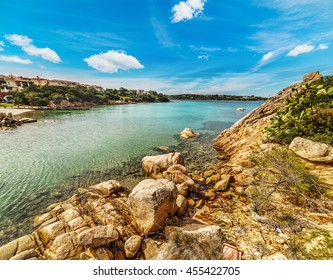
{"x": 198, "y": 154}
{"x": 208, "y": 211}
{"x": 104, "y": 221}
{"x": 9, "y": 121}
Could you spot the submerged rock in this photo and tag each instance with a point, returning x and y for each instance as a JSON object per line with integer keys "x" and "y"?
{"x": 188, "y": 133}
{"x": 27, "y": 120}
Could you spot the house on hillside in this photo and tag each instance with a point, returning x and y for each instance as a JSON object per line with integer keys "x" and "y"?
{"x": 2, "y": 95}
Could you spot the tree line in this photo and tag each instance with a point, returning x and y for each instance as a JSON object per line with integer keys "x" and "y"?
{"x": 215, "y": 97}
{"x": 59, "y": 96}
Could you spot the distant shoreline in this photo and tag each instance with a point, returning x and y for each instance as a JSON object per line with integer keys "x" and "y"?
{"x": 215, "y": 97}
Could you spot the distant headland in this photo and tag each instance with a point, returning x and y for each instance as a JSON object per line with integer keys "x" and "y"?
{"x": 216, "y": 97}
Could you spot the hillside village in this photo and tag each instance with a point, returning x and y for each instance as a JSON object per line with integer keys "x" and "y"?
{"x": 18, "y": 83}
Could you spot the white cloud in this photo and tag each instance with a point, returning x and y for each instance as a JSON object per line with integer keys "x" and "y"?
{"x": 112, "y": 61}
{"x": 18, "y": 40}
{"x": 206, "y": 49}
{"x": 203, "y": 56}
{"x": 45, "y": 53}
{"x": 322, "y": 47}
{"x": 15, "y": 59}
{"x": 187, "y": 10}
{"x": 268, "y": 56}
{"x": 304, "y": 48}
{"x": 26, "y": 44}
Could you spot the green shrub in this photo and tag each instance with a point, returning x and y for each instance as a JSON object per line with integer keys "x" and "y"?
{"x": 309, "y": 114}
{"x": 315, "y": 245}
{"x": 186, "y": 246}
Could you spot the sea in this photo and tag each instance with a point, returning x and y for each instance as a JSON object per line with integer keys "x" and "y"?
{"x": 45, "y": 162}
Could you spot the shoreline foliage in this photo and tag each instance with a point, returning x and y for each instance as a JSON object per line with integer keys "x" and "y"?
{"x": 309, "y": 114}
{"x": 61, "y": 96}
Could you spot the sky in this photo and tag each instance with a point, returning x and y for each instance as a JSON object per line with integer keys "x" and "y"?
{"x": 240, "y": 47}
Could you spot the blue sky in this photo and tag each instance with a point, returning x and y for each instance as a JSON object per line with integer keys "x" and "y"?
{"x": 192, "y": 46}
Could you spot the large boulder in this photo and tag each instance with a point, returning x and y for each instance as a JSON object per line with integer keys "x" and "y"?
{"x": 188, "y": 133}
{"x": 155, "y": 165}
{"x": 151, "y": 202}
{"x": 312, "y": 151}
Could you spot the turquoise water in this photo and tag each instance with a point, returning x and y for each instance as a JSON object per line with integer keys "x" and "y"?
{"x": 37, "y": 158}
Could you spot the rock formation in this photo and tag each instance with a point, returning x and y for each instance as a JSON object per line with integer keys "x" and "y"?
{"x": 10, "y": 122}
{"x": 151, "y": 203}
{"x": 312, "y": 151}
{"x": 237, "y": 143}
{"x": 7, "y": 121}
{"x": 188, "y": 133}
{"x": 155, "y": 165}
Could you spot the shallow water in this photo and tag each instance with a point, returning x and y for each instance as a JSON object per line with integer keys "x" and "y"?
{"x": 43, "y": 162}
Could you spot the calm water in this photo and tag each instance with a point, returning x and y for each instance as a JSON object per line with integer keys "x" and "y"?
{"x": 37, "y": 160}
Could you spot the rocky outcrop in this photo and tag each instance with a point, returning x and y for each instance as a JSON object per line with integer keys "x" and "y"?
{"x": 170, "y": 167}
{"x": 80, "y": 228}
{"x": 312, "y": 77}
{"x": 151, "y": 203}
{"x": 155, "y": 165}
{"x": 104, "y": 222}
{"x": 237, "y": 143}
{"x": 22, "y": 248}
{"x": 312, "y": 151}
{"x": 8, "y": 122}
{"x": 188, "y": 133}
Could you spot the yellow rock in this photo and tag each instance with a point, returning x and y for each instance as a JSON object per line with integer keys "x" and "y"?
{"x": 191, "y": 202}
{"x": 208, "y": 173}
{"x": 199, "y": 204}
{"x": 215, "y": 177}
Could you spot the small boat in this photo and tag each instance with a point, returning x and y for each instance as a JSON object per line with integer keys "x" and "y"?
{"x": 240, "y": 109}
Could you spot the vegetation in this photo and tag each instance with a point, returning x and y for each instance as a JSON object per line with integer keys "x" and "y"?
{"x": 59, "y": 96}
{"x": 280, "y": 171}
{"x": 314, "y": 245}
{"x": 308, "y": 114}
{"x": 5, "y": 105}
{"x": 186, "y": 246}
{"x": 215, "y": 97}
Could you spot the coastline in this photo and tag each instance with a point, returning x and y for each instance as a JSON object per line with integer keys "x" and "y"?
{"x": 15, "y": 112}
